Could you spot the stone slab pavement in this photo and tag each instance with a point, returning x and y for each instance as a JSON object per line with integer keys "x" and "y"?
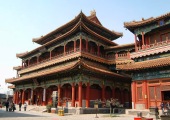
{"x": 34, "y": 115}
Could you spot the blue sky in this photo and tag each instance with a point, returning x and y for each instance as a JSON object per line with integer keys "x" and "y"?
{"x": 22, "y": 20}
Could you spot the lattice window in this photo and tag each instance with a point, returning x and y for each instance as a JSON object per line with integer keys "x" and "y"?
{"x": 158, "y": 93}
{"x": 151, "y": 93}
{"x": 139, "y": 92}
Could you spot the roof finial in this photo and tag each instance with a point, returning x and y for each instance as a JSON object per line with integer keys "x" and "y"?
{"x": 93, "y": 12}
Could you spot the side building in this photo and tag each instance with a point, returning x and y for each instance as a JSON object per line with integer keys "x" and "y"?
{"x": 78, "y": 61}
{"x": 150, "y": 70}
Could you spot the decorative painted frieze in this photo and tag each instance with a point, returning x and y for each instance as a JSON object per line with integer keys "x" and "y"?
{"x": 151, "y": 75}
{"x": 145, "y": 29}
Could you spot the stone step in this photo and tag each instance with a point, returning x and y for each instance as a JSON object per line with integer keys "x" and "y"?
{"x": 135, "y": 112}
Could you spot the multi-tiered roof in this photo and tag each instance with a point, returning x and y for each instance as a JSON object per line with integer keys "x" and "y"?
{"x": 81, "y": 23}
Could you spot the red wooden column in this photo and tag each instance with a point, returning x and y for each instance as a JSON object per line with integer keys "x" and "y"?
{"x": 73, "y": 95}
{"x": 98, "y": 49}
{"x": 80, "y": 94}
{"x": 80, "y": 43}
{"x": 74, "y": 45}
{"x": 19, "y": 97}
{"x": 23, "y": 96}
{"x": 16, "y": 99}
{"x": 145, "y": 94}
{"x": 14, "y": 96}
{"x": 59, "y": 95}
{"x": 28, "y": 62}
{"x": 22, "y": 64}
{"x": 64, "y": 49}
{"x": 143, "y": 43}
{"x": 113, "y": 92}
{"x": 116, "y": 55}
{"x": 86, "y": 45}
{"x": 128, "y": 54}
{"x": 133, "y": 90}
{"x": 103, "y": 92}
{"x": 14, "y": 93}
{"x": 136, "y": 43}
{"x": 38, "y": 59}
{"x": 50, "y": 54}
{"x": 88, "y": 95}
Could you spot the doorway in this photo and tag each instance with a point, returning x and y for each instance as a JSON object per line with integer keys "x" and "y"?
{"x": 165, "y": 95}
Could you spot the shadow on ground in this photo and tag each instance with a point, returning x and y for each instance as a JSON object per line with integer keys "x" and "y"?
{"x": 16, "y": 114}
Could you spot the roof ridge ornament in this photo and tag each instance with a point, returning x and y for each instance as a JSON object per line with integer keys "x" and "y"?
{"x": 93, "y": 12}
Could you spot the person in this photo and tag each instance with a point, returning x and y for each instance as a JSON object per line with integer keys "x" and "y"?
{"x": 167, "y": 106}
{"x": 162, "y": 107}
{"x": 20, "y": 104}
{"x": 10, "y": 107}
{"x": 25, "y": 106}
{"x": 0, "y": 105}
{"x": 13, "y": 107}
{"x": 7, "y": 105}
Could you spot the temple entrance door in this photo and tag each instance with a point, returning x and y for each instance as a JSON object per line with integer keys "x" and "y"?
{"x": 154, "y": 96}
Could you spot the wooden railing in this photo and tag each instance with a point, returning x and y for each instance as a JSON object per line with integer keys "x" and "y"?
{"x": 109, "y": 57}
{"x": 150, "y": 46}
{"x": 123, "y": 55}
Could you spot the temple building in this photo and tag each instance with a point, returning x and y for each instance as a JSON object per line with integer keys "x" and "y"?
{"x": 81, "y": 63}
{"x": 150, "y": 70}
{"x": 78, "y": 62}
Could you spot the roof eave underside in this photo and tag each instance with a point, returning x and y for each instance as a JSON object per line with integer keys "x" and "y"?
{"x": 68, "y": 68}
{"x": 121, "y": 46}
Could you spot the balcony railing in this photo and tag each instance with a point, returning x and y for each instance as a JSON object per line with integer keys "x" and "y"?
{"x": 158, "y": 44}
{"x": 122, "y": 56}
{"x": 156, "y": 48}
{"x": 107, "y": 57}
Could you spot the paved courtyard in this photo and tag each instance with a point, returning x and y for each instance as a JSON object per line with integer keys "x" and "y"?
{"x": 37, "y": 115}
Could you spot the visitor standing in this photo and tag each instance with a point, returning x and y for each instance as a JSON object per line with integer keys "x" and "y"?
{"x": 25, "y": 106}
{"x": 7, "y": 105}
{"x": 162, "y": 107}
{"x": 167, "y": 105}
{"x": 20, "y": 104}
{"x": 13, "y": 107}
